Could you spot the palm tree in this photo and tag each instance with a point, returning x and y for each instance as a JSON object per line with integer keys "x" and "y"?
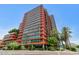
{"x": 65, "y": 36}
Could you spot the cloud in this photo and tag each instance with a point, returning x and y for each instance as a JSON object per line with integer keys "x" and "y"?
{"x": 4, "y": 31}
{"x": 76, "y": 41}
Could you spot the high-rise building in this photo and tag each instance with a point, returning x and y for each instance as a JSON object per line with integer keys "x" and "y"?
{"x": 36, "y": 27}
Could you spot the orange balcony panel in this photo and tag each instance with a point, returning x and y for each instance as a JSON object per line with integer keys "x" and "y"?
{"x": 43, "y": 42}
{"x": 43, "y": 21}
{"x": 43, "y": 38}
{"x": 43, "y": 18}
{"x": 43, "y": 31}
{"x": 37, "y": 43}
{"x": 20, "y": 31}
{"x": 41, "y": 11}
{"x": 42, "y": 15}
{"x": 43, "y": 27}
{"x": 19, "y": 34}
{"x": 43, "y": 24}
{"x": 12, "y": 38}
{"x": 12, "y": 34}
{"x": 19, "y": 41}
{"x": 43, "y": 35}
{"x": 20, "y": 37}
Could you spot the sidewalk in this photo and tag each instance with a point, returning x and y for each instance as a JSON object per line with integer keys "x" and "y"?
{"x": 26, "y": 52}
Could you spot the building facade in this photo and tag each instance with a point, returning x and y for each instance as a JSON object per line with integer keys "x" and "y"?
{"x": 1, "y": 44}
{"x": 36, "y": 27}
{"x": 9, "y": 38}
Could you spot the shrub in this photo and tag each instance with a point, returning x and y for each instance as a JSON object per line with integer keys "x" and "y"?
{"x": 31, "y": 47}
{"x": 51, "y": 48}
{"x": 13, "y": 46}
{"x": 38, "y": 48}
{"x": 72, "y": 49}
{"x": 77, "y": 46}
{"x": 23, "y": 48}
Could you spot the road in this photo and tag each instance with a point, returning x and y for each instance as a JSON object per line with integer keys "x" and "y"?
{"x": 26, "y": 52}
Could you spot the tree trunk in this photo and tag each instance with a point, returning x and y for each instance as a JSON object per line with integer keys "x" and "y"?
{"x": 43, "y": 46}
{"x": 67, "y": 42}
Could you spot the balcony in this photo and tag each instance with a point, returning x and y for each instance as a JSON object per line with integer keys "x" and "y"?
{"x": 19, "y": 37}
{"x": 28, "y": 43}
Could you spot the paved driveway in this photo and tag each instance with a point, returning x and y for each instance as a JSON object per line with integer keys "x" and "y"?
{"x": 26, "y": 52}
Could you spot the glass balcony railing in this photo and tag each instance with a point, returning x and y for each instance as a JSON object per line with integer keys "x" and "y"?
{"x": 34, "y": 37}
{"x": 31, "y": 34}
{"x": 32, "y": 25}
{"x": 31, "y": 28}
{"x": 29, "y": 31}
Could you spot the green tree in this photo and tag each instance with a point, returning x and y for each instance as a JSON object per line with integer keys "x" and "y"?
{"x": 13, "y": 45}
{"x": 14, "y": 30}
{"x": 54, "y": 37}
{"x": 55, "y": 33}
{"x": 23, "y": 47}
{"x": 53, "y": 42}
{"x": 65, "y": 36}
